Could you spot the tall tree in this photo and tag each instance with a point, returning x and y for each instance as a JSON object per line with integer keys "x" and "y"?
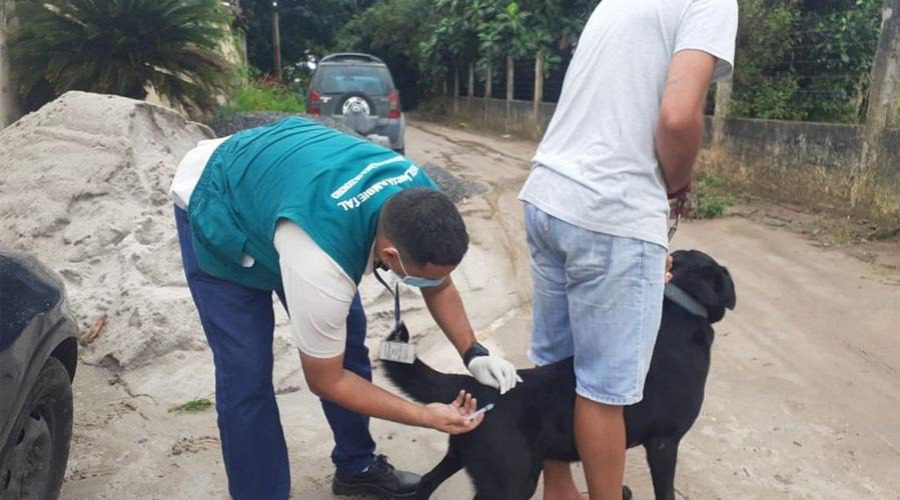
{"x": 121, "y": 47}
{"x": 307, "y": 27}
{"x": 386, "y": 30}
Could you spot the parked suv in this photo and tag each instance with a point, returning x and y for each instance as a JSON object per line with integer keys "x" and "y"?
{"x": 358, "y": 91}
{"x": 38, "y": 354}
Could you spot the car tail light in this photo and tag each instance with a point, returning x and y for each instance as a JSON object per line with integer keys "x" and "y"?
{"x": 394, "y": 100}
{"x": 313, "y": 104}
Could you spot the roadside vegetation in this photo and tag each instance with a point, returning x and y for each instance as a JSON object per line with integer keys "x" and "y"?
{"x": 263, "y": 93}
{"x": 710, "y": 197}
{"x": 122, "y": 47}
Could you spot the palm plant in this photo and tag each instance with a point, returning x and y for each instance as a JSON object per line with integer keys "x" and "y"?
{"x": 121, "y": 47}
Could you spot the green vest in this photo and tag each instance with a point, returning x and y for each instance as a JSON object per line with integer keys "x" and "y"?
{"x": 331, "y": 184}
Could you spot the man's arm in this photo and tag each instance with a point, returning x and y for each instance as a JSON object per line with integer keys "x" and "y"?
{"x": 328, "y": 379}
{"x": 446, "y": 307}
{"x": 679, "y": 130}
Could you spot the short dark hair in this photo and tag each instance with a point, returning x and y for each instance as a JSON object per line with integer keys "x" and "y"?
{"x": 425, "y": 225}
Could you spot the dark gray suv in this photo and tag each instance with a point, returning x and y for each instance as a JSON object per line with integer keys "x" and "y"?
{"x": 38, "y": 355}
{"x": 358, "y": 91}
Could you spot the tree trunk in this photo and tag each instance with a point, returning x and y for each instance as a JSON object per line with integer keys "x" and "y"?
{"x": 471, "y": 93}
{"x": 538, "y": 91}
{"x": 881, "y": 111}
{"x": 488, "y": 89}
{"x": 456, "y": 88}
{"x": 510, "y": 87}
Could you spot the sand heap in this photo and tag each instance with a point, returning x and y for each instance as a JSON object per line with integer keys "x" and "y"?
{"x": 83, "y": 187}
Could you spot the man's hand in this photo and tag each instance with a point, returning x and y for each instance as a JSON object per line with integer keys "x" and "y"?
{"x": 453, "y": 418}
{"x": 668, "y": 268}
{"x": 495, "y": 372}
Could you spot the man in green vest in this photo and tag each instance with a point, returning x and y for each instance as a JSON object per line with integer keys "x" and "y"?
{"x": 305, "y": 211}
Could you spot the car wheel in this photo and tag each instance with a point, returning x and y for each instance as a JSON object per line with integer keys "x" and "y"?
{"x": 38, "y": 447}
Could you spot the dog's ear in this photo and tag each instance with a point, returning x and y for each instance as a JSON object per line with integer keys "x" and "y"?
{"x": 704, "y": 279}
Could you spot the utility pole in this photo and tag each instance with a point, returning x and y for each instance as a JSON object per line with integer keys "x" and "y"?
{"x": 723, "y": 101}
{"x": 276, "y": 40}
{"x": 884, "y": 91}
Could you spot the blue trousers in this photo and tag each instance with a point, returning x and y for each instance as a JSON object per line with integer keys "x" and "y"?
{"x": 239, "y": 323}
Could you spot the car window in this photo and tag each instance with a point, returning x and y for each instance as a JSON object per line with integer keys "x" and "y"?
{"x": 340, "y": 79}
{"x": 22, "y": 297}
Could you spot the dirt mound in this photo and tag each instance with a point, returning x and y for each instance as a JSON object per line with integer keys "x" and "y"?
{"x": 83, "y": 187}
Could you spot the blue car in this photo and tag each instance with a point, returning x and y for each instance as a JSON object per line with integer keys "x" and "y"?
{"x": 38, "y": 356}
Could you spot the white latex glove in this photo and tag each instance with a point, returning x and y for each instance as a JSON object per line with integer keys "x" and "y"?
{"x": 495, "y": 372}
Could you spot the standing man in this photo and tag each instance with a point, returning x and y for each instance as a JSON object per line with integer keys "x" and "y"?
{"x": 305, "y": 211}
{"x": 625, "y": 133}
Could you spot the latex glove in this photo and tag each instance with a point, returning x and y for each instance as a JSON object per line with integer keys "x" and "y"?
{"x": 495, "y": 372}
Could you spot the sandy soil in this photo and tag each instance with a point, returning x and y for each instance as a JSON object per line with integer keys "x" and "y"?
{"x": 803, "y": 400}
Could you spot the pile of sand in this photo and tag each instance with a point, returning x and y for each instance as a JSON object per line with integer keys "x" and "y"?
{"x": 83, "y": 187}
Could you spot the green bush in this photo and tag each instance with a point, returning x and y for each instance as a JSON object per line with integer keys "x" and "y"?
{"x": 261, "y": 96}
{"x": 709, "y": 200}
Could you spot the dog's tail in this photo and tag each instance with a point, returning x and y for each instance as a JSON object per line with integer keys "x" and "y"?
{"x": 427, "y": 385}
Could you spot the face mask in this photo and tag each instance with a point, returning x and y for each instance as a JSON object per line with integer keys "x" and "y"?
{"x": 416, "y": 281}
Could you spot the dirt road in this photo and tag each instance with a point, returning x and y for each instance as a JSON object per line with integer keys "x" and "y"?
{"x": 803, "y": 399}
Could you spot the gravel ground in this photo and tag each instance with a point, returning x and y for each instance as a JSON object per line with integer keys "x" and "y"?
{"x": 455, "y": 188}
{"x": 240, "y": 121}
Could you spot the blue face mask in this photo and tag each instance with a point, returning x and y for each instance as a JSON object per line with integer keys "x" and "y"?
{"x": 416, "y": 281}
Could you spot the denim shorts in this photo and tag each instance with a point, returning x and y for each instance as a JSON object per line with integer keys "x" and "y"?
{"x": 596, "y": 297}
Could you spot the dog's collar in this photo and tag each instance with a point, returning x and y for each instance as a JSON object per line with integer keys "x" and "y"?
{"x": 674, "y": 293}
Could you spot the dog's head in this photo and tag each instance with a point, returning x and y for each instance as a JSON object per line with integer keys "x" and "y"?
{"x": 704, "y": 279}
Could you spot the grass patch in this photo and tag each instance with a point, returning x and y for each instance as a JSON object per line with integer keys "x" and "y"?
{"x": 709, "y": 198}
{"x": 193, "y": 406}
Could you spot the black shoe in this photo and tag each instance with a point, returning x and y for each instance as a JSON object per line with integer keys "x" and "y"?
{"x": 381, "y": 479}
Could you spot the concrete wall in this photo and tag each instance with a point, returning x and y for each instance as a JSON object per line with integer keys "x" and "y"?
{"x": 889, "y": 167}
{"x": 815, "y": 164}
{"x": 515, "y": 118}
{"x": 9, "y": 111}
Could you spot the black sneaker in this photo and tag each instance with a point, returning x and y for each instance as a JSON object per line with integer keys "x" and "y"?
{"x": 381, "y": 480}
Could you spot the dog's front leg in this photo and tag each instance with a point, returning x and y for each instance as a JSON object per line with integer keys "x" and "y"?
{"x": 448, "y": 466}
{"x": 662, "y": 454}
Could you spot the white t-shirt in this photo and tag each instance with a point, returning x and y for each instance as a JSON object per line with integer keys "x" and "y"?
{"x": 596, "y": 166}
{"x": 317, "y": 290}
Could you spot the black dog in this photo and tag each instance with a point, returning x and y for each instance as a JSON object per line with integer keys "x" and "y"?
{"x": 534, "y": 421}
